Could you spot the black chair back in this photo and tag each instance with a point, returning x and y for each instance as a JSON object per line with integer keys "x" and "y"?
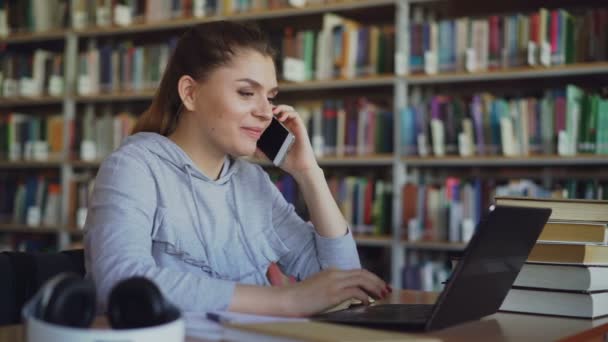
{"x": 26, "y": 273}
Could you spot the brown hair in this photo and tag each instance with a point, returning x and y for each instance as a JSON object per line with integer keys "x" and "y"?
{"x": 201, "y": 49}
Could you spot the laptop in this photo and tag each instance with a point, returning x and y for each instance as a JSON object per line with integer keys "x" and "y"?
{"x": 478, "y": 284}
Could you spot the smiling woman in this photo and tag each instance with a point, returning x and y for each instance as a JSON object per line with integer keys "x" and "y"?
{"x": 176, "y": 204}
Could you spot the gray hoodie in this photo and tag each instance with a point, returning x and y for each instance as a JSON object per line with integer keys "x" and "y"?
{"x": 154, "y": 213}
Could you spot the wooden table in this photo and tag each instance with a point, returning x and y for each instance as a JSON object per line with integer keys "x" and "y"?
{"x": 497, "y": 327}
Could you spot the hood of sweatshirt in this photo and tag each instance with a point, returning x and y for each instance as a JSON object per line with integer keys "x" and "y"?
{"x": 172, "y": 155}
{"x": 170, "y": 152}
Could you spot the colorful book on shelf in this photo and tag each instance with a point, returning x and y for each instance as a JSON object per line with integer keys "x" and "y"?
{"x": 563, "y": 209}
{"x": 565, "y": 121}
{"x": 579, "y": 304}
{"x": 563, "y": 277}
{"x": 543, "y": 37}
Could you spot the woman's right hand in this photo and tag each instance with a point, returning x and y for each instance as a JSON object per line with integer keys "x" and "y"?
{"x": 329, "y": 288}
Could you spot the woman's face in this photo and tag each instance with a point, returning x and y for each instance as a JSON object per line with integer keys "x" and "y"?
{"x": 233, "y": 106}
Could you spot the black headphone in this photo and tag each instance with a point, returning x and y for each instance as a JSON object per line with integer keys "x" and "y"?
{"x": 69, "y": 300}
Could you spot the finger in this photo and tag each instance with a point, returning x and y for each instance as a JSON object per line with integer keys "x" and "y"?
{"x": 282, "y": 108}
{"x": 378, "y": 292}
{"x": 354, "y": 292}
{"x": 283, "y": 116}
{"x": 287, "y": 115}
{"x": 371, "y": 277}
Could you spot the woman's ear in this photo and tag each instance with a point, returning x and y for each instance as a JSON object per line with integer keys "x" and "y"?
{"x": 186, "y": 86}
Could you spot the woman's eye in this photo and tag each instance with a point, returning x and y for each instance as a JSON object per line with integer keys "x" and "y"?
{"x": 271, "y": 100}
{"x": 245, "y": 93}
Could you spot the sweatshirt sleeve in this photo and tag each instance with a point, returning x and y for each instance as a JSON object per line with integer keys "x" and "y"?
{"x": 118, "y": 239}
{"x": 309, "y": 252}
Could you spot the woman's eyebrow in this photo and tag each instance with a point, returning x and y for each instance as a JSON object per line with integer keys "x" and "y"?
{"x": 256, "y": 84}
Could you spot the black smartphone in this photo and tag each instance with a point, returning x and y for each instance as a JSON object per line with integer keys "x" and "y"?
{"x": 276, "y": 141}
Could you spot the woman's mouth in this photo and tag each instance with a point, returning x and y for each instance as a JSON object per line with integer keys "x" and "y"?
{"x": 253, "y": 132}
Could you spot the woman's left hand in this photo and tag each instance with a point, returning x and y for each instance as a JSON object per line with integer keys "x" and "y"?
{"x": 300, "y": 157}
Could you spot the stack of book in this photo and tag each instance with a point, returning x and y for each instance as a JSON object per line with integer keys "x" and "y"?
{"x": 566, "y": 273}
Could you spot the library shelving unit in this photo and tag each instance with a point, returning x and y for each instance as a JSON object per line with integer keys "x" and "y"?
{"x": 545, "y": 167}
{"x": 399, "y": 85}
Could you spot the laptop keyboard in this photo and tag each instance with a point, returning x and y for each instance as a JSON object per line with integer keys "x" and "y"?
{"x": 388, "y": 313}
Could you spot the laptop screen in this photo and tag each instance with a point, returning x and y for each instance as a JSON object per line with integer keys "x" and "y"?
{"x": 480, "y": 282}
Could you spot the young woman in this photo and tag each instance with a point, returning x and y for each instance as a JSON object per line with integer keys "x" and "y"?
{"x": 175, "y": 203}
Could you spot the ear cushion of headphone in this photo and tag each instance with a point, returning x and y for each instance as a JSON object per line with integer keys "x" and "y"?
{"x": 71, "y": 302}
{"x": 136, "y": 303}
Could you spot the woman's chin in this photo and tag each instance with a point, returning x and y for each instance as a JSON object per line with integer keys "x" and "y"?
{"x": 246, "y": 152}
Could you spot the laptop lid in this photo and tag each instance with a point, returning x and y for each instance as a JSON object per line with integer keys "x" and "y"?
{"x": 493, "y": 258}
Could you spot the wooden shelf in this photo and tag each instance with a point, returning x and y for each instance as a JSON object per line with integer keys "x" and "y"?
{"x": 30, "y": 101}
{"x": 536, "y": 160}
{"x": 145, "y": 95}
{"x": 454, "y": 161}
{"x": 511, "y": 74}
{"x": 368, "y": 160}
{"x": 75, "y": 232}
{"x": 435, "y": 245}
{"x": 341, "y": 6}
{"x": 369, "y": 81}
{"x": 368, "y": 240}
{"x": 23, "y": 228}
{"x": 85, "y": 163}
{"x": 23, "y": 164}
{"x": 34, "y": 37}
{"x": 387, "y": 159}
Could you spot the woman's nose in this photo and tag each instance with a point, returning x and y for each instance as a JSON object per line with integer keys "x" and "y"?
{"x": 264, "y": 109}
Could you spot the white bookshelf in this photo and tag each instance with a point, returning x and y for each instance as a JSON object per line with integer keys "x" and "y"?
{"x": 399, "y": 83}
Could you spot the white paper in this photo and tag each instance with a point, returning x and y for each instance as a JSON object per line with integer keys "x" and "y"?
{"x": 237, "y": 317}
{"x": 198, "y": 326}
